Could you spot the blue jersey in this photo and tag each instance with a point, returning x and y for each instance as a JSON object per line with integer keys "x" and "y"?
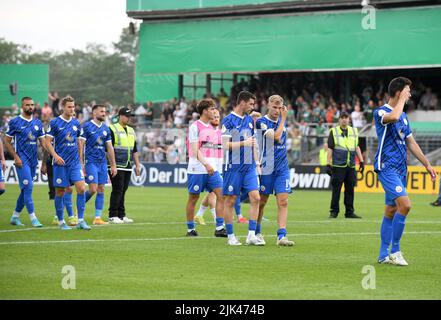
{"x": 273, "y": 154}
{"x": 65, "y": 134}
{"x": 238, "y": 128}
{"x": 392, "y": 152}
{"x": 96, "y": 137}
{"x": 26, "y": 133}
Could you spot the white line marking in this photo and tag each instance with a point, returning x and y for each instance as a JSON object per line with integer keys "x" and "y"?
{"x": 186, "y": 238}
{"x": 342, "y": 221}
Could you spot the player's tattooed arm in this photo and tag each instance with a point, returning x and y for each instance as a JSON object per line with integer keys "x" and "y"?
{"x": 418, "y": 153}
{"x": 43, "y": 168}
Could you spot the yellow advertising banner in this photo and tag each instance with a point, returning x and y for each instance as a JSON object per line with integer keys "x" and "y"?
{"x": 418, "y": 181}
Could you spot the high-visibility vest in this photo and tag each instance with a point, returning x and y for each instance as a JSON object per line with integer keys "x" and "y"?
{"x": 323, "y": 157}
{"x": 344, "y": 149}
{"x": 124, "y": 144}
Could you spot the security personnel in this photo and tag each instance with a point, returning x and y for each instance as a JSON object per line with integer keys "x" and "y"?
{"x": 342, "y": 147}
{"x": 124, "y": 143}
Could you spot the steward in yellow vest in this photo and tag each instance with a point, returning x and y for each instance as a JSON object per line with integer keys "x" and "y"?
{"x": 124, "y": 144}
{"x": 342, "y": 149}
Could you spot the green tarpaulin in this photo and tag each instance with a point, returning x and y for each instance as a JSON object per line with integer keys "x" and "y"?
{"x": 320, "y": 41}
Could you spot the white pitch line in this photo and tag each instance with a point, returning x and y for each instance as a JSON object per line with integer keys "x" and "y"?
{"x": 210, "y": 223}
{"x": 188, "y": 238}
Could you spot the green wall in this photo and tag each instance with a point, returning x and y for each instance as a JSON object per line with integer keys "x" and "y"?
{"x": 33, "y": 81}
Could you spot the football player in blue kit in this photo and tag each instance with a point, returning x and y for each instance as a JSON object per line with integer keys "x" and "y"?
{"x": 240, "y": 172}
{"x": 274, "y": 179}
{"x": 64, "y": 131}
{"x": 26, "y": 132}
{"x": 394, "y": 137}
{"x": 95, "y": 140}
{"x": 2, "y": 168}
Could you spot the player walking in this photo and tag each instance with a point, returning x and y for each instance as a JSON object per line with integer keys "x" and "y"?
{"x": 240, "y": 172}
{"x": 65, "y": 132}
{"x": 95, "y": 135}
{"x": 394, "y": 137}
{"x": 271, "y": 133}
{"x": 205, "y": 150}
{"x": 26, "y": 131}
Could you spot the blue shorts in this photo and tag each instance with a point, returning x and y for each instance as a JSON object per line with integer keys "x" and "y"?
{"x": 2, "y": 178}
{"x": 236, "y": 182}
{"x": 275, "y": 183}
{"x": 26, "y": 176}
{"x": 96, "y": 173}
{"x": 198, "y": 183}
{"x": 65, "y": 176}
{"x": 394, "y": 186}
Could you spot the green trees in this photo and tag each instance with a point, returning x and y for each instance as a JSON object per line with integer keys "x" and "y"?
{"x": 91, "y": 74}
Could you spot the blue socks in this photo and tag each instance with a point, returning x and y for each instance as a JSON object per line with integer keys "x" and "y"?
{"x": 20, "y": 202}
{"x": 99, "y": 204}
{"x": 258, "y": 228}
{"x": 27, "y": 197}
{"x": 59, "y": 207}
{"x": 398, "y": 224}
{"x": 229, "y": 227}
{"x": 219, "y": 222}
{"x": 81, "y": 203}
{"x": 386, "y": 237}
{"x": 252, "y": 224}
{"x": 67, "y": 200}
{"x": 281, "y": 233}
{"x": 190, "y": 225}
{"x": 237, "y": 207}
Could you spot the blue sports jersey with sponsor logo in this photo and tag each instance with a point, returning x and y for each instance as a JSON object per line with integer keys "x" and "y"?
{"x": 26, "y": 133}
{"x": 238, "y": 128}
{"x": 96, "y": 137}
{"x": 273, "y": 154}
{"x": 65, "y": 134}
{"x": 392, "y": 151}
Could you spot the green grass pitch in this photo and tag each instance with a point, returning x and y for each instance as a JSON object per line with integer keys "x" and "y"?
{"x": 152, "y": 258}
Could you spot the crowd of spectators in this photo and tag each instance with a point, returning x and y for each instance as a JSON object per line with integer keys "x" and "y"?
{"x": 312, "y": 111}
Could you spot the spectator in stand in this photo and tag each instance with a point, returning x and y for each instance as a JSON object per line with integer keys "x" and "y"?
{"x": 330, "y": 114}
{"x": 222, "y": 97}
{"x": 5, "y": 121}
{"x": 140, "y": 114}
{"x": 290, "y": 117}
{"x": 54, "y": 101}
{"x": 149, "y": 114}
{"x": 37, "y": 110}
{"x": 46, "y": 113}
{"x": 306, "y": 115}
{"x": 167, "y": 113}
{"x": 369, "y": 112}
{"x": 179, "y": 116}
{"x": 426, "y": 102}
{"x": 357, "y": 117}
{"x": 183, "y": 104}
